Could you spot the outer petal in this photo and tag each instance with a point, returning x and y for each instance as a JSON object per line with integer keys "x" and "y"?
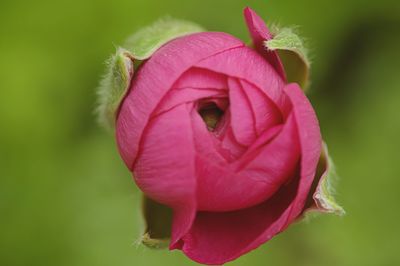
{"x": 310, "y": 142}
{"x": 260, "y": 33}
{"x": 165, "y": 169}
{"x": 156, "y": 77}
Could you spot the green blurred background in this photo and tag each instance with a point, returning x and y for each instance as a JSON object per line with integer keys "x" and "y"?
{"x": 67, "y": 199}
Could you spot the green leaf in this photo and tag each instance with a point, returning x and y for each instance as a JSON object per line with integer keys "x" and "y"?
{"x": 293, "y": 55}
{"x": 114, "y": 86}
{"x": 146, "y": 41}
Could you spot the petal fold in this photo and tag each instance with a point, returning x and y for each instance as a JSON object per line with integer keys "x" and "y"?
{"x": 242, "y": 117}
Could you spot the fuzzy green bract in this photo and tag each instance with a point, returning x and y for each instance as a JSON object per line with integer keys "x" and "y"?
{"x": 324, "y": 194}
{"x": 146, "y": 41}
{"x": 293, "y": 54}
{"x": 114, "y": 85}
{"x": 120, "y": 66}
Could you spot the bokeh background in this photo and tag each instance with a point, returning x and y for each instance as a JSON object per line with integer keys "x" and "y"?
{"x": 66, "y": 198}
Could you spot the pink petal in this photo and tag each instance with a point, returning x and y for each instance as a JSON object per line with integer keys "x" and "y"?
{"x": 201, "y": 78}
{"x": 271, "y": 162}
{"x": 260, "y": 33}
{"x": 183, "y": 219}
{"x": 244, "y": 63}
{"x": 264, "y": 111}
{"x": 165, "y": 168}
{"x": 230, "y": 144}
{"x": 242, "y": 118}
{"x": 156, "y": 77}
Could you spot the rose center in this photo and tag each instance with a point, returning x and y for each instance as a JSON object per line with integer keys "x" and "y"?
{"x": 211, "y": 114}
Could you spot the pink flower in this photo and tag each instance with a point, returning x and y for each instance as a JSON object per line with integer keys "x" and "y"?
{"x": 211, "y": 128}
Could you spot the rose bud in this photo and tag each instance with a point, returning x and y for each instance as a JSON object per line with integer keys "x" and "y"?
{"x": 219, "y": 136}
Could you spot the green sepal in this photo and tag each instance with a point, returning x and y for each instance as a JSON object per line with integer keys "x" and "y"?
{"x": 324, "y": 193}
{"x": 146, "y": 41}
{"x": 120, "y": 67}
{"x": 293, "y": 54}
{"x": 114, "y": 86}
{"x": 158, "y": 222}
{"x": 154, "y": 243}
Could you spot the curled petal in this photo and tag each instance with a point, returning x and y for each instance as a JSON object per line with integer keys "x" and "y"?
{"x": 264, "y": 111}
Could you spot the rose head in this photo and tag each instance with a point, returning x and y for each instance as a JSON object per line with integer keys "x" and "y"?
{"x": 212, "y": 129}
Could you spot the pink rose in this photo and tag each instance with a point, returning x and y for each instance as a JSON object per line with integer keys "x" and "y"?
{"x": 210, "y": 128}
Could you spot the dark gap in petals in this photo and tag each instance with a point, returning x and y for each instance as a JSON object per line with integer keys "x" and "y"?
{"x": 211, "y": 114}
{"x": 158, "y": 219}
